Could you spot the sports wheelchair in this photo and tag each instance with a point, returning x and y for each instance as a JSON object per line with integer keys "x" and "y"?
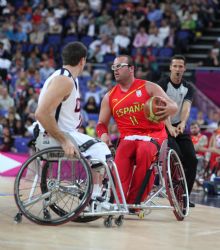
{"x": 52, "y": 189}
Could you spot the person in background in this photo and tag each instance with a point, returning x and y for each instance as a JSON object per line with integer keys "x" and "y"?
{"x": 214, "y": 149}
{"x": 200, "y": 142}
{"x": 7, "y": 140}
{"x": 180, "y": 91}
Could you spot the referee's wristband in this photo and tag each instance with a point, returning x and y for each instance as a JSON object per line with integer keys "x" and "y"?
{"x": 101, "y": 129}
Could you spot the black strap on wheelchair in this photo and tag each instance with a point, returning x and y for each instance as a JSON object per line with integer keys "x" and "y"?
{"x": 36, "y": 131}
{"x": 147, "y": 176}
{"x": 156, "y": 144}
{"x": 143, "y": 186}
{"x": 88, "y": 144}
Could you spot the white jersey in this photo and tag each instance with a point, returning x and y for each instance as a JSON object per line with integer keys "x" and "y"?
{"x": 68, "y": 112}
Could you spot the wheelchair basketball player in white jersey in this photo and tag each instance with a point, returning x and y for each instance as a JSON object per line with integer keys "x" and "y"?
{"x": 58, "y": 111}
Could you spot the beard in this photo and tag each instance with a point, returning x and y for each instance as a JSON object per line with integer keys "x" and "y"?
{"x": 195, "y": 133}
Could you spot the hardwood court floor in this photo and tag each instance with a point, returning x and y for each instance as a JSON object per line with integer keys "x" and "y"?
{"x": 157, "y": 231}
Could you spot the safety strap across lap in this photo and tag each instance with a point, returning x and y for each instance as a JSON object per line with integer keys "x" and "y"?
{"x": 88, "y": 144}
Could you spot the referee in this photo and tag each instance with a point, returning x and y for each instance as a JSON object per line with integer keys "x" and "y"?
{"x": 181, "y": 92}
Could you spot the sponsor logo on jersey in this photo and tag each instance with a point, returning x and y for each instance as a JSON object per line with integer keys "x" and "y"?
{"x": 138, "y": 93}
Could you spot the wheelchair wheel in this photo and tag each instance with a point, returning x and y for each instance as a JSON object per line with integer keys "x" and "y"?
{"x": 51, "y": 189}
{"x": 176, "y": 186}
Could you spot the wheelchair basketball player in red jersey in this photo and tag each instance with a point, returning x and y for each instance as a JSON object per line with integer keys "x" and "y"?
{"x": 139, "y": 136}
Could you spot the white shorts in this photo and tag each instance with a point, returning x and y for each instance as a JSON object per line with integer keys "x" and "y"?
{"x": 98, "y": 150}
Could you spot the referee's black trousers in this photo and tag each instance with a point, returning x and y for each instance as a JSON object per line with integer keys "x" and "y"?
{"x": 183, "y": 145}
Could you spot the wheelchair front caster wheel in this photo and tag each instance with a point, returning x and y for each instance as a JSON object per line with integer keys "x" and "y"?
{"x": 18, "y": 218}
{"x": 119, "y": 221}
{"x": 141, "y": 214}
{"x": 108, "y": 221}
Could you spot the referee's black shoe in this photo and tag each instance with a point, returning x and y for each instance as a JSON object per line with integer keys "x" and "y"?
{"x": 191, "y": 204}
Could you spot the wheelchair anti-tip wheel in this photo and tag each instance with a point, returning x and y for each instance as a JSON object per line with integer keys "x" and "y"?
{"x": 176, "y": 185}
{"x": 51, "y": 189}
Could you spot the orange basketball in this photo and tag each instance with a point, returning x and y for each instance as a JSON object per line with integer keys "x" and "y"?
{"x": 150, "y": 108}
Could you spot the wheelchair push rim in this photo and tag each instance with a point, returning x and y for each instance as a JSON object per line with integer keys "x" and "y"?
{"x": 176, "y": 185}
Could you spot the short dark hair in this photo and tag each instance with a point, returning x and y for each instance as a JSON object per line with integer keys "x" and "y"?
{"x": 73, "y": 52}
{"x": 129, "y": 59}
{"x": 194, "y": 123}
{"x": 178, "y": 57}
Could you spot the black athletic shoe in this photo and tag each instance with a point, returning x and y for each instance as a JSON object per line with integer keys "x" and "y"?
{"x": 191, "y": 204}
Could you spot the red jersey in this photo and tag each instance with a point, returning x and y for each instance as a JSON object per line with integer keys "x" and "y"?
{"x": 214, "y": 156}
{"x": 127, "y": 110}
{"x": 199, "y": 140}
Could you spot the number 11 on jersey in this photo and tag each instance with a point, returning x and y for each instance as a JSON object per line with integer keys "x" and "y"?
{"x": 133, "y": 120}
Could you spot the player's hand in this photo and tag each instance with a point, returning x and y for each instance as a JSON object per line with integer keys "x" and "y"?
{"x": 173, "y": 131}
{"x": 181, "y": 127}
{"x": 164, "y": 110}
{"x": 69, "y": 149}
{"x": 213, "y": 150}
{"x": 106, "y": 139}
{"x": 162, "y": 114}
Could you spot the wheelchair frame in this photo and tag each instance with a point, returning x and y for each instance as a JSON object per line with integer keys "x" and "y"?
{"x": 165, "y": 189}
{"x": 172, "y": 185}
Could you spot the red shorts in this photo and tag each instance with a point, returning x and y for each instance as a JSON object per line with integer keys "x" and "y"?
{"x": 213, "y": 160}
{"x": 133, "y": 159}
